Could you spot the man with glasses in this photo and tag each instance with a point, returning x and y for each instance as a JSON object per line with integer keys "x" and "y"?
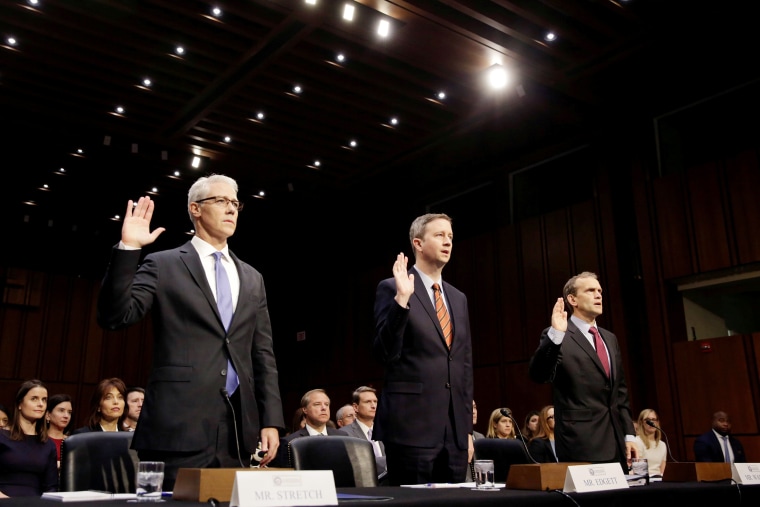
{"x": 213, "y": 393}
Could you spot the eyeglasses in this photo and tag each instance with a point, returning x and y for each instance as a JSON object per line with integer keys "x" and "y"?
{"x": 222, "y": 202}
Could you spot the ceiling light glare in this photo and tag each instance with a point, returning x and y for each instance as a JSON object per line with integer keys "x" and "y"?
{"x": 216, "y": 12}
{"x": 497, "y": 77}
{"x": 260, "y": 116}
{"x": 348, "y": 12}
{"x": 317, "y": 163}
{"x": 196, "y": 162}
{"x": 550, "y": 37}
{"x": 11, "y": 41}
{"x": 340, "y": 57}
{"x": 383, "y": 28}
{"x": 311, "y": 2}
{"x": 441, "y": 95}
{"x": 147, "y": 82}
{"x": 179, "y": 50}
{"x": 119, "y": 109}
{"x": 394, "y": 121}
{"x": 297, "y": 89}
{"x": 227, "y": 139}
{"x": 352, "y": 143}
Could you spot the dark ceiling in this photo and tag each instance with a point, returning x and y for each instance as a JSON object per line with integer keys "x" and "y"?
{"x": 75, "y": 61}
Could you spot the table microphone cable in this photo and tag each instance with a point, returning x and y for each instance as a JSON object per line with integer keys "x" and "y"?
{"x": 226, "y": 396}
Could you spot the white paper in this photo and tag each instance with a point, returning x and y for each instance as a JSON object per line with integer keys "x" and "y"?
{"x": 85, "y": 496}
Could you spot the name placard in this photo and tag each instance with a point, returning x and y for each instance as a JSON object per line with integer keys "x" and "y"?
{"x": 599, "y": 477}
{"x": 745, "y": 473}
{"x": 281, "y": 489}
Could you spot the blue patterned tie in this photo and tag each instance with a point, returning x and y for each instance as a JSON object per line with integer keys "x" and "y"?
{"x": 224, "y": 303}
{"x": 726, "y": 452}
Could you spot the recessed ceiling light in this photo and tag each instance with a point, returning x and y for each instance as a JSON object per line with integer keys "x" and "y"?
{"x": 497, "y": 76}
{"x": 394, "y": 121}
{"x": 297, "y": 89}
{"x": 441, "y": 95}
{"x": 317, "y": 163}
{"x": 216, "y": 12}
{"x": 352, "y": 143}
{"x": 11, "y": 41}
{"x": 383, "y": 28}
{"x": 260, "y": 115}
{"x": 147, "y": 82}
{"x": 348, "y": 12}
{"x": 550, "y": 37}
{"x": 340, "y": 58}
{"x": 179, "y": 50}
{"x": 227, "y": 139}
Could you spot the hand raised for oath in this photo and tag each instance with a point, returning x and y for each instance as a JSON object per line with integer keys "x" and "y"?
{"x": 404, "y": 280}
{"x": 135, "y": 230}
{"x": 559, "y": 316}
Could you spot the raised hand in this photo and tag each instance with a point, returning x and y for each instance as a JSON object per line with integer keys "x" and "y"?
{"x": 135, "y": 230}
{"x": 404, "y": 280}
{"x": 559, "y": 316}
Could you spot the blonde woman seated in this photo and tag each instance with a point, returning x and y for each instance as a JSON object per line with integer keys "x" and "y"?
{"x": 500, "y": 426}
{"x": 649, "y": 443}
{"x": 541, "y": 446}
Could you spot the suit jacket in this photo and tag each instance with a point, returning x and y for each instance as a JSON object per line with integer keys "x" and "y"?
{"x": 282, "y": 460}
{"x": 541, "y": 449}
{"x": 354, "y": 430}
{"x": 421, "y": 374}
{"x": 707, "y": 447}
{"x": 592, "y": 413}
{"x": 191, "y": 347}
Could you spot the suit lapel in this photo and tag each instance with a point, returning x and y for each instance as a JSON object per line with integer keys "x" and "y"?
{"x": 576, "y": 335}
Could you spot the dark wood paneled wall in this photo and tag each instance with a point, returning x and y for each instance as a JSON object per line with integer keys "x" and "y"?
{"x": 682, "y": 224}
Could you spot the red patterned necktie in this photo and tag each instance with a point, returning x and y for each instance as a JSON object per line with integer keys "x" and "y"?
{"x": 443, "y": 314}
{"x": 601, "y": 351}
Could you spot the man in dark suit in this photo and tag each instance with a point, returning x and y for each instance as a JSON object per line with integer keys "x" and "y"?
{"x": 315, "y": 405}
{"x": 364, "y": 403}
{"x": 593, "y": 420}
{"x": 422, "y": 336}
{"x": 192, "y": 417}
{"x": 711, "y": 446}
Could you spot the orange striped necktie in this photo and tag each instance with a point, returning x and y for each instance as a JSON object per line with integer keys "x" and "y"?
{"x": 443, "y": 315}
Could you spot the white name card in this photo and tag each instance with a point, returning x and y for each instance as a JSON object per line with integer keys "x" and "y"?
{"x": 599, "y": 477}
{"x": 282, "y": 489}
{"x": 745, "y": 473}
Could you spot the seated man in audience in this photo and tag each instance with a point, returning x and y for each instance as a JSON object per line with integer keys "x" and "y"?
{"x": 717, "y": 444}
{"x": 345, "y": 415}
{"x": 365, "y": 404}
{"x": 135, "y": 398}
{"x": 315, "y": 405}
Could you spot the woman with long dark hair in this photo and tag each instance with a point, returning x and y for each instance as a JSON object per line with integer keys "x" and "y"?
{"x": 28, "y": 465}
{"x": 107, "y": 407}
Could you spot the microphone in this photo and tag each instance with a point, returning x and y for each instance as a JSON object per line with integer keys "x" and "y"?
{"x": 226, "y": 396}
{"x": 507, "y": 413}
{"x": 667, "y": 444}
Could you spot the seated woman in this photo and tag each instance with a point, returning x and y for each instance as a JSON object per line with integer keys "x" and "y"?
{"x": 27, "y": 456}
{"x": 649, "y": 443}
{"x": 107, "y": 407}
{"x": 530, "y": 428}
{"x": 500, "y": 426}
{"x": 541, "y": 446}
{"x": 5, "y": 416}
{"x": 58, "y": 417}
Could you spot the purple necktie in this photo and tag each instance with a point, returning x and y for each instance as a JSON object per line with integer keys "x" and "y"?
{"x": 600, "y": 350}
{"x": 224, "y": 303}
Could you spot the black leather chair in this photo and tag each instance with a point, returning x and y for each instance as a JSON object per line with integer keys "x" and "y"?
{"x": 351, "y": 459}
{"x": 98, "y": 460}
{"x": 504, "y": 452}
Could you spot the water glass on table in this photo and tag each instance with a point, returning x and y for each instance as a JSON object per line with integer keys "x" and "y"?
{"x": 150, "y": 479}
{"x": 484, "y": 474}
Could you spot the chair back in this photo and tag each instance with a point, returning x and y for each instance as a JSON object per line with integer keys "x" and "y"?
{"x": 100, "y": 460}
{"x": 504, "y": 452}
{"x": 351, "y": 459}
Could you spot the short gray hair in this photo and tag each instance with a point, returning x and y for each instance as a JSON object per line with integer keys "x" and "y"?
{"x": 417, "y": 230}
{"x": 202, "y": 186}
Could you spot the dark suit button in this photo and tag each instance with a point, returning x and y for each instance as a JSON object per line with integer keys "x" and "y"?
{"x": 448, "y": 385}
{"x": 451, "y": 358}
{"x": 224, "y": 372}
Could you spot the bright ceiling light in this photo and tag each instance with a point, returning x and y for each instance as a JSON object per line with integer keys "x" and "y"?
{"x": 497, "y": 77}
{"x": 348, "y": 12}
{"x": 383, "y": 28}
